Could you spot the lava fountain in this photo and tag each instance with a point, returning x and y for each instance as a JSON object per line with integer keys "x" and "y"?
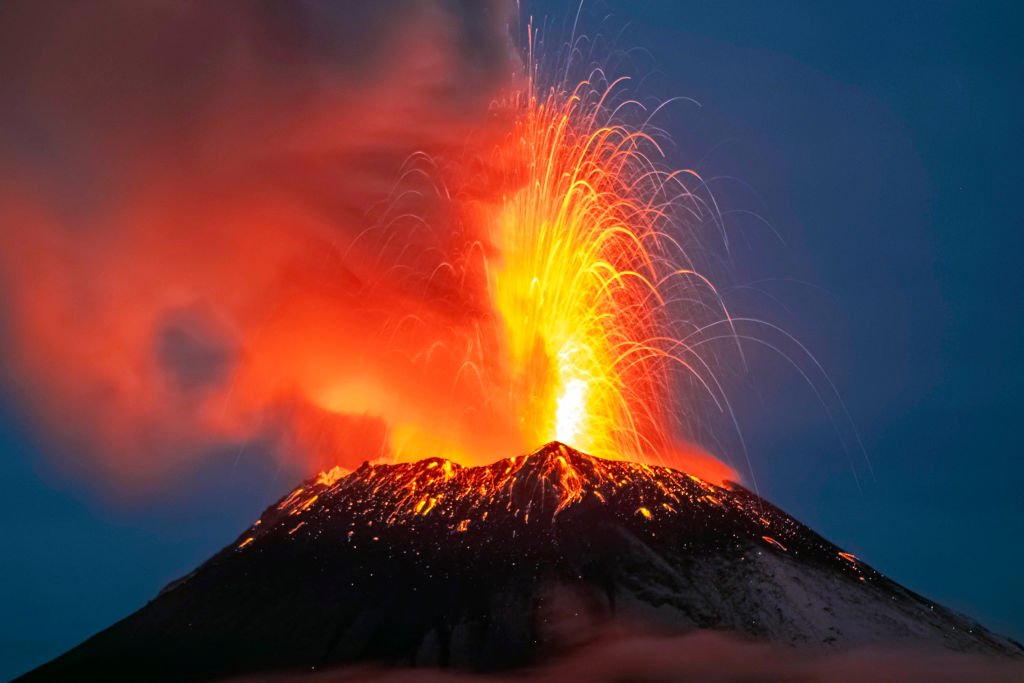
{"x": 593, "y": 294}
{"x": 593, "y": 289}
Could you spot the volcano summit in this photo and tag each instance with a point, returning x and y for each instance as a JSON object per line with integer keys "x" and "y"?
{"x": 434, "y": 564}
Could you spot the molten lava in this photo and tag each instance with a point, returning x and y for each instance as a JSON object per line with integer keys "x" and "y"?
{"x": 526, "y": 498}
{"x": 589, "y": 278}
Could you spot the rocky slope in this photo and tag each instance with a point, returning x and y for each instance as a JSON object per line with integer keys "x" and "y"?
{"x": 433, "y": 564}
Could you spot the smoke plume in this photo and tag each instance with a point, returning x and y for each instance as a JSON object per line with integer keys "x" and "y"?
{"x": 229, "y": 221}
{"x": 253, "y": 221}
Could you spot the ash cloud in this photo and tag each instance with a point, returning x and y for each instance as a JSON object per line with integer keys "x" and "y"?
{"x": 234, "y": 220}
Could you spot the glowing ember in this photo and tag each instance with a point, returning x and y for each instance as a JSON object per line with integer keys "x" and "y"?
{"x": 525, "y": 498}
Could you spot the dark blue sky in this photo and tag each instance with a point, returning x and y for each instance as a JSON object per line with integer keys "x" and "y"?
{"x": 883, "y": 145}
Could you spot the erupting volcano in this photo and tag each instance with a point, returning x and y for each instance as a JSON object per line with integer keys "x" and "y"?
{"x": 451, "y": 256}
{"x": 435, "y": 564}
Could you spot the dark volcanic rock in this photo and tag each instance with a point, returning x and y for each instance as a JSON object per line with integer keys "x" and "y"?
{"x": 430, "y": 564}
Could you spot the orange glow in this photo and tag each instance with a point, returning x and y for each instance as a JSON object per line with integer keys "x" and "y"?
{"x": 332, "y": 475}
{"x": 571, "y": 410}
{"x": 583, "y": 280}
{"x": 584, "y": 283}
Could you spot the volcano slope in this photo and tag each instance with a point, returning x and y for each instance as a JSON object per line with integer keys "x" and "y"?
{"x": 433, "y": 564}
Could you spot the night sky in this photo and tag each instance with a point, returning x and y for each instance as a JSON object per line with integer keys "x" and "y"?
{"x": 867, "y": 160}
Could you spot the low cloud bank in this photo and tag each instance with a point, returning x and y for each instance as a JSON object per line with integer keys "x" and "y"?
{"x": 708, "y": 657}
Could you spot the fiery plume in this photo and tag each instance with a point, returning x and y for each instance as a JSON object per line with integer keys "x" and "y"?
{"x": 351, "y": 237}
{"x": 595, "y": 292}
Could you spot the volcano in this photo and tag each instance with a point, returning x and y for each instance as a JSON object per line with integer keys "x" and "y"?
{"x": 435, "y": 564}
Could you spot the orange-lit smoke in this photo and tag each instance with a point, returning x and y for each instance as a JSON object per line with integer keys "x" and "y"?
{"x": 242, "y": 220}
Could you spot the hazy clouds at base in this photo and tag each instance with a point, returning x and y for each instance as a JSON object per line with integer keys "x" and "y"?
{"x": 705, "y": 657}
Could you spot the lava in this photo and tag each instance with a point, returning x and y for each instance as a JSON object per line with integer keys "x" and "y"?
{"x": 592, "y": 298}
{"x": 524, "y": 496}
{"x": 590, "y": 276}
{"x": 436, "y": 564}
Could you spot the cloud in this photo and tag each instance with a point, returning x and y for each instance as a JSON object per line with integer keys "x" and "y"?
{"x": 226, "y": 221}
{"x": 707, "y": 657}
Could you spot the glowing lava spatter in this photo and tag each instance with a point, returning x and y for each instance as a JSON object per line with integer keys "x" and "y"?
{"x": 592, "y": 284}
{"x": 491, "y": 503}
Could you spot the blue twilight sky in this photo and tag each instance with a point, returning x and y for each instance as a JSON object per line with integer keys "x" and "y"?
{"x": 882, "y": 144}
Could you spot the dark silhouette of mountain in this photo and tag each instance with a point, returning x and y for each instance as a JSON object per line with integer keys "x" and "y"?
{"x": 434, "y": 564}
